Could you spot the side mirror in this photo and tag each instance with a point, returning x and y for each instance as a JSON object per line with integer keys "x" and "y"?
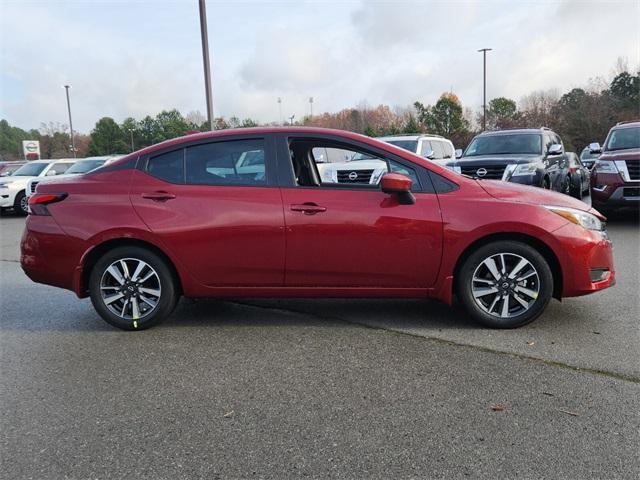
{"x": 458, "y": 153}
{"x": 595, "y": 148}
{"x": 555, "y": 149}
{"x": 400, "y": 185}
{"x": 50, "y": 173}
{"x": 430, "y": 154}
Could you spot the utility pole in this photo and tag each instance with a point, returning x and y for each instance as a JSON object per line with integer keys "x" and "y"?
{"x": 205, "y": 62}
{"x": 311, "y": 107}
{"x": 131, "y": 132}
{"x": 73, "y": 143}
{"x": 291, "y": 119}
{"x": 484, "y": 86}
{"x": 280, "y": 119}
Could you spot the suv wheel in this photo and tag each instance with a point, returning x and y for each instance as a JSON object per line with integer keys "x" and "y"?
{"x": 505, "y": 284}
{"x": 546, "y": 183}
{"x": 21, "y": 203}
{"x": 132, "y": 288}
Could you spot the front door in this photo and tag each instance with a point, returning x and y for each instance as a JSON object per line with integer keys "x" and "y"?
{"x": 213, "y": 206}
{"x": 343, "y": 231}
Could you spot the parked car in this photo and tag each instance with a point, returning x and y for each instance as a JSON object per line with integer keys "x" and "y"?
{"x": 347, "y": 167}
{"x": 7, "y": 168}
{"x": 588, "y": 158}
{"x": 81, "y": 166}
{"x": 177, "y": 218}
{"x": 12, "y": 188}
{"x": 615, "y": 179}
{"x": 579, "y": 176}
{"x": 532, "y": 156}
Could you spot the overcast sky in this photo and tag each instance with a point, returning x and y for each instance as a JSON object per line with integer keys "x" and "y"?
{"x": 133, "y": 58}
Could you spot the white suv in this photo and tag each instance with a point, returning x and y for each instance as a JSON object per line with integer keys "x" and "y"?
{"x": 433, "y": 147}
{"x": 12, "y": 188}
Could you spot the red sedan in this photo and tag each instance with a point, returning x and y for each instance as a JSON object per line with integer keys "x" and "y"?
{"x": 259, "y": 213}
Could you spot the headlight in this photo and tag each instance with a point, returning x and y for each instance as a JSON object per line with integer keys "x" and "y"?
{"x": 605, "y": 166}
{"x": 454, "y": 168}
{"x": 377, "y": 175}
{"x": 579, "y": 217}
{"x": 4, "y": 185}
{"x": 329, "y": 176}
{"x": 525, "y": 169}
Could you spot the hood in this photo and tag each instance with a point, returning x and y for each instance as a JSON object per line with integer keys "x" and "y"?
{"x": 16, "y": 180}
{"x": 497, "y": 159}
{"x": 515, "y": 192}
{"x": 629, "y": 154}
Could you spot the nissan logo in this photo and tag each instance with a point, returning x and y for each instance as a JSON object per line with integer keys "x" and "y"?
{"x": 481, "y": 172}
{"x": 353, "y": 176}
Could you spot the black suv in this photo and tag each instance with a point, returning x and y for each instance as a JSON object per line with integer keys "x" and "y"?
{"x": 532, "y": 156}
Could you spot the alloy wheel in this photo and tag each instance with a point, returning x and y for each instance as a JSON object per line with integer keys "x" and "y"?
{"x": 24, "y": 204}
{"x": 505, "y": 285}
{"x": 130, "y": 288}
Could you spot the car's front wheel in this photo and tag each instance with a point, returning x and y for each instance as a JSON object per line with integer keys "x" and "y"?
{"x": 132, "y": 288}
{"x": 505, "y": 284}
{"x": 21, "y": 203}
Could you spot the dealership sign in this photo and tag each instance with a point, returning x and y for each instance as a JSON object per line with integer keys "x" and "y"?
{"x": 31, "y": 149}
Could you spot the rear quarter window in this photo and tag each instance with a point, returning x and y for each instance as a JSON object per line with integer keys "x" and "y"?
{"x": 168, "y": 166}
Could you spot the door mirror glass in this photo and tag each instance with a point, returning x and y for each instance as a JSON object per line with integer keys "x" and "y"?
{"x": 555, "y": 149}
{"x": 595, "y": 148}
{"x": 458, "y": 153}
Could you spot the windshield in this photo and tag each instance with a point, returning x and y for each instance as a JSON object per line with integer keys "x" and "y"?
{"x": 84, "y": 166}
{"x": 623, "y": 139}
{"x": 362, "y": 156}
{"x": 30, "y": 170}
{"x": 587, "y": 155}
{"x": 521, "y": 143}
{"x": 411, "y": 145}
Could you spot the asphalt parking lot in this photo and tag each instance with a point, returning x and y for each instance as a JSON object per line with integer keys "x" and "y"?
{"x": 338, "y": 389}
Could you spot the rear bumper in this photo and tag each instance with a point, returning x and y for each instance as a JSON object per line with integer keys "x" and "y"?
{"x": 48, "y": 255}
{"x": 587, "y": 261}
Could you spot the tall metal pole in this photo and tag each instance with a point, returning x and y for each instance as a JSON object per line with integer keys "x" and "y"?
{"x": 484, "y": 86}
{"x": 280, "y": 111}
{"x": 205, "y": 61}
{"x": 311, "y": 107}
{"x": 73, "y": 143}
{"x": 131, "y": 132}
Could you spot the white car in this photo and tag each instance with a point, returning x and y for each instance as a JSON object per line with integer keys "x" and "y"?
{"x": 83, "y": 165}
{"x": 338, "y": 166}
{"x": 12, "y": 188}
{"x": 433, "y": 147}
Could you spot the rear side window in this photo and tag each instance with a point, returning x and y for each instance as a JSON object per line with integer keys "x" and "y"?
{"x": 237, "y": 162}
{"x": 448, "y": 150}
{"x": 168, "y": 166}
{"x": 60, "y": 168}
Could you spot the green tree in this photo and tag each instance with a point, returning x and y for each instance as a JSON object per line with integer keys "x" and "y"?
{"x": 107, "y": 138}
{"x": 411, "y": 126}
{"x": 170, "y": 124}
{"x": 248, "y": 122}
{"x": 501, "y": 113}
{"x": 131, "y": 132}
{"x": 625, "y": 91}
{"x": 444, "y": 118}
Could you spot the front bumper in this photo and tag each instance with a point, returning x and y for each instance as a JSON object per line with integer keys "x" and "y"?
{"x": 609, "y": 190}
{"x": 586, "y": 260}
{"x": 7, "y": 197}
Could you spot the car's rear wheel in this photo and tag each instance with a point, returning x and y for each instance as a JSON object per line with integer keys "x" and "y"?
{"x": 566, "y": 185}
{"x": 546, "y": 183}
{"x": 132, "y": 288}
{"x": 21, "y": 203}
{"x": 505, "y": 284}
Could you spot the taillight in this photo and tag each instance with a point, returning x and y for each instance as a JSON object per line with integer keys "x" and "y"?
{"x": 38, "y": 202}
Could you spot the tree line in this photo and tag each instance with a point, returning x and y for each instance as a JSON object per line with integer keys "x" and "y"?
{"x": 580, "y": 116}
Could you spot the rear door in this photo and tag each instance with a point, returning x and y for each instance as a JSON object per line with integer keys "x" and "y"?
{"x": 215, "y": 206}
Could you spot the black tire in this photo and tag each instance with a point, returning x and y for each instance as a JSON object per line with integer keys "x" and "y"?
{"x": 566, "y": 185}
{"x": 20, "y": 204}
{"x": 546, "y": 183}
{"x": 575, "y": 191}
{"x": 542, "y": 281}
{"x": 162, "y": 281}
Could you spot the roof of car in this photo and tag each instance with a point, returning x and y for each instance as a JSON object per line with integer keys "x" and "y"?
{"x": 627, "y": 124}
{"x": 515, "y": 130}
{"x": 410, "y": 136}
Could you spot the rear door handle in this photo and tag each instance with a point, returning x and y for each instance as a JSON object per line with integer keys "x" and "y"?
{"x": 159, "y": 196}
{"x": 308, "y": 208}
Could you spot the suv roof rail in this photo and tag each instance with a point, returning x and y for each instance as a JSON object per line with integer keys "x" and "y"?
{"x": 418, "y": 134}
{"x": 627, "y": 121}
{"x": 516, "y": 128}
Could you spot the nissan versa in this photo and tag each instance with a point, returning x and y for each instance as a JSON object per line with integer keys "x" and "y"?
{"x": 244, "y": 213}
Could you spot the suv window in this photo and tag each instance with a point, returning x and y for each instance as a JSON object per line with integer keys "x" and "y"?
{"x": 438, "y": 151}
{"x": 410, "y": 145}
{"x": 346, "y": 166}
{"x": 623, "y": 139}
{"x": 449, "y": 152}
{"x": 60, "y": 167}
{"x": 168, "y": 166}
{"x": 523, "y": 143}
{"x": 234, "y": 162}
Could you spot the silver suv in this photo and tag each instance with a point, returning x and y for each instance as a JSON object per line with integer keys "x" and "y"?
{"x": 433, "y": 147}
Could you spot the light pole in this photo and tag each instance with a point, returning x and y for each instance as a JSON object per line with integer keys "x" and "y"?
{"x": 130, "y": 130}
{"x": 311, "y": 107}
{"x": 73, "y": 143}
{"x": 280, "y": 111}
{"x": 205, "y": 62}
{"x": 291, "y": 119}
{"x": 484, "y": 88}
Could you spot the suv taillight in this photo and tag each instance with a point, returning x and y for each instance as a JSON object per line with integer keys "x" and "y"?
{"x": 38, "y": 202}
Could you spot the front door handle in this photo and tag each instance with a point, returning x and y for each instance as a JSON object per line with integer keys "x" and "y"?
{"x": 159, "y": 196}
{"x": 308, "y": 208}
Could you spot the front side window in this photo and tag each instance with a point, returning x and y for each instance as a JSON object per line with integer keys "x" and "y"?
{"x": 449, "y": 152}
{"x": 59, "y": 168}
{"x": 520, "y": 143}
{"x": 623, "y": 139}
{"x": 84, "y": 166}
{"x": 168, "y": 166}
{"x": 234, "y": 162}
{"x": 438, "y": 151}
{"x": 316, "y": 165}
